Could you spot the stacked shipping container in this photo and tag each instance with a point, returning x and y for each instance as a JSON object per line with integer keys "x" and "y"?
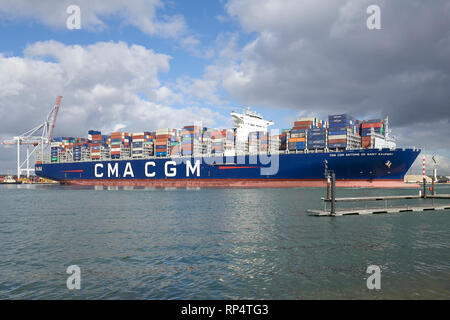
{"x": 317, "y": 138}
{"x": 191, "y": 140}
{"x": 95, "y": 143}
{"x": 343, "y": 132}
{"x": 137, "y": 144}
{"x": 218, "y": 141}
{"x": 368, "y": 129}
{"x": 163, "y": 141}
{"x": 297, "y": 139}
{"x": 119, "y": 143}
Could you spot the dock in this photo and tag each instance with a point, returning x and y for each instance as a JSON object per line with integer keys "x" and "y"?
{"x": 333, "y": 200}
{"x": 380, "y": 210}
{"x": 385, "y": 198}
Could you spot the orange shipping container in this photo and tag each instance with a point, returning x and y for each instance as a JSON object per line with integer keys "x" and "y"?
{"x": 161, "y": 142}
{"x": 297, "y": 139}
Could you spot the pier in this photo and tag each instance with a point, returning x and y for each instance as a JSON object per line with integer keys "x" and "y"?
{"x": 332, "y": 200}
{"x": 379, "y": 210}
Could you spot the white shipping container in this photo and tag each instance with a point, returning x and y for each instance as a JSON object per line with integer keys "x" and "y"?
{"x": 339, "y": 136}
{"x": 164, "y": 131}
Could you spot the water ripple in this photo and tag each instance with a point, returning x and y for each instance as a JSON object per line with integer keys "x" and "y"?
{"x": 213, "y": 244}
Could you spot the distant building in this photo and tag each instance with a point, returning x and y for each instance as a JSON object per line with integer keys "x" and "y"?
{"x": 416, "y": 178}
{"x": 443, "y": 179}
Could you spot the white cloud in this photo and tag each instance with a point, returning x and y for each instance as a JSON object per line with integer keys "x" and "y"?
{"x": 102, "y": 84}
{"x": 442, "y": 165}
{"x": 88, "y": 66}
{"x": 139, "y": 13}
{"x": 319, "y": 56}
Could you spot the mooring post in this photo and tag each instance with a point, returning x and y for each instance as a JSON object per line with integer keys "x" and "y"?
{"x": 432, "y": 187}
{"x": 434, "y": 181}
{"x": 328, "y": 188}
{"x": 333, "y": 194}
{"x": 424, "y": 188}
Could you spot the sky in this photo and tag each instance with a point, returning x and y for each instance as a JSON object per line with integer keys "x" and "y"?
{"x": 145, "y": 64}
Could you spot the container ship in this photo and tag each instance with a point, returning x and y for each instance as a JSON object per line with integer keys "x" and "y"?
{"x": 361, "y": 154}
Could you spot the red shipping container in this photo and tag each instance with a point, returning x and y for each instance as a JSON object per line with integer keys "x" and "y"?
{"x": 218, "y": 134}
{"x": 337, "y": 140}
{"x": 192, "y": 128}
{"x": 302, "y": 123}
{"x": 366, "y": 142}
{"x": 372, "y": 125}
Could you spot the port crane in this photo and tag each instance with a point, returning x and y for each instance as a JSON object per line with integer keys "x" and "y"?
{"x": 31, "y": 139}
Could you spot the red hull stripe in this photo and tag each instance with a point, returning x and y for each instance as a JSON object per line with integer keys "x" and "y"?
{"x": 73, "y": 171}
{"x": 238, "y": 167}
{"x": 238, "y": 183}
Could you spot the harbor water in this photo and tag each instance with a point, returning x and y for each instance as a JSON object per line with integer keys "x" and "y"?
{"x": 146, "y": 243}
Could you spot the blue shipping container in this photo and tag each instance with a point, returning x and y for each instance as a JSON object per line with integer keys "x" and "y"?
{"x": 337, "y": 133}
{"x": 337, "y": 145}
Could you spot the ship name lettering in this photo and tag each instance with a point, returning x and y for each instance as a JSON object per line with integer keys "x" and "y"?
{"x": 113, "y": 171}
{"x": 128, "y": 170}
{"x": 147, "y": 174}
{"x": 192, "y": 169}
{"x": 97, "y": 174}
{"x": 173, "y": 171}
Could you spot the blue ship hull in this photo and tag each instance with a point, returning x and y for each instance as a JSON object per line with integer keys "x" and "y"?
{"x": 365, "y": 167}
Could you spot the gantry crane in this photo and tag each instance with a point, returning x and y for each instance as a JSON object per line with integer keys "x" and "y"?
{"x": 30, "y": 138}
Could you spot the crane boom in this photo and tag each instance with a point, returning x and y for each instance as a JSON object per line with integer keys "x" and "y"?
{"x": 53, "y": 120}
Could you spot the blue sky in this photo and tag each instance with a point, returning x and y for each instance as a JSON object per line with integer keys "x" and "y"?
{"x": 17, "y": 34}
{"x": 206, "y": 21}
{"x": 143, "y": 64}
